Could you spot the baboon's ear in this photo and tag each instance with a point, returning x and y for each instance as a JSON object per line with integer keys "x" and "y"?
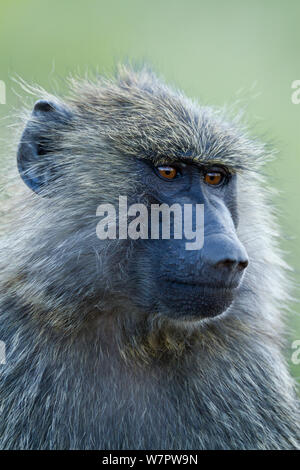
{"x": 36, "y": 152}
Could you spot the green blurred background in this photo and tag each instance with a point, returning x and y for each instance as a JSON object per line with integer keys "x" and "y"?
{"x": 218, "y": 51}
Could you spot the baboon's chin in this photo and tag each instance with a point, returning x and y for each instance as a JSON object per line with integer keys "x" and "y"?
{"x": 194, "y": 302}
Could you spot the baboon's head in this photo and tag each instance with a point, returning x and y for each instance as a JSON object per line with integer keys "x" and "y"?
{"x": 133, "y": 137}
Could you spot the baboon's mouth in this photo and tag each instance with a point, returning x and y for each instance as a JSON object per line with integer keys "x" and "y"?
{"x": 217, "y": 285}
{"x": 196, "y": 299}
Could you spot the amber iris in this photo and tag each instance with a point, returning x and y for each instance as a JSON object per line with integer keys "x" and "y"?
{"x": 167, "y": 172}
{"x": 213, "y": 177}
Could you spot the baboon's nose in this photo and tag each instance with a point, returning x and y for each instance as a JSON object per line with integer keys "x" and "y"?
{"x": 225, "y": 253}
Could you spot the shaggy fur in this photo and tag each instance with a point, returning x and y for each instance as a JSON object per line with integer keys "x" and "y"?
{"x": 86, "y": 368}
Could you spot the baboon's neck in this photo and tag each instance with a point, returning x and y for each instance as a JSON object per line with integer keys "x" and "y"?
{"x": 137, "y": 392}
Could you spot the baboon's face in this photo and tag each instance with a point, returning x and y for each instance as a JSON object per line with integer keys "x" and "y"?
{"x": 183, "y": 266}
{"x": 180, "y": 277}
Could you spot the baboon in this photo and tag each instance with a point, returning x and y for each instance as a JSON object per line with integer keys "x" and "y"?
{"x": 140, "y": 343}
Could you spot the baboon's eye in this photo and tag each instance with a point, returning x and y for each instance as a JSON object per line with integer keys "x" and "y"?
{"x": 167, "y": 172}
{"x": 214, "y": 177}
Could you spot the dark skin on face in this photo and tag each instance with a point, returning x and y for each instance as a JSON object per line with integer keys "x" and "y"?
{"x": 198, "y": 283}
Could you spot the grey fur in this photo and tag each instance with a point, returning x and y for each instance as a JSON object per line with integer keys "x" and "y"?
{"x": 85, "y": 368}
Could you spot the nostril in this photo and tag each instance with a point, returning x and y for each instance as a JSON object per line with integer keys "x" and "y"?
{"x": 231, "y": 264}
{"x": 242, "y": 265}
{"x": 226, "y": 263}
